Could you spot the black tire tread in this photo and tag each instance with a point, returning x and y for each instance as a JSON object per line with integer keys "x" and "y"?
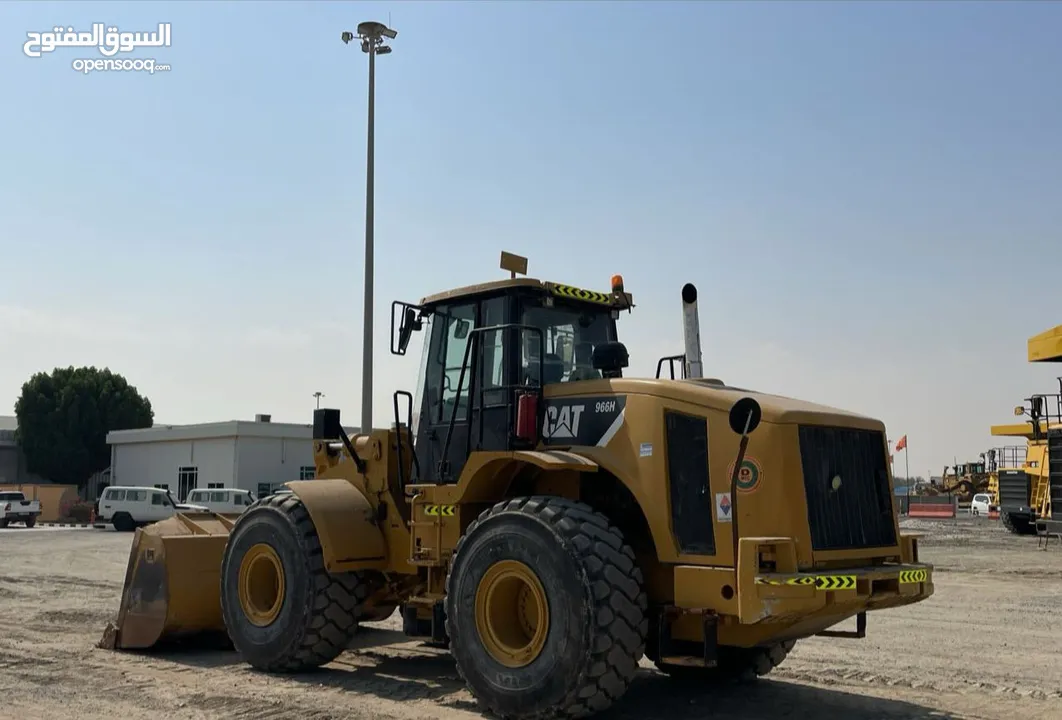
{"x": 735, "y": 665}
{"x": 1017, "y": 528}
{"x": 620, "y": 601}
{"x": 332, "y": 601}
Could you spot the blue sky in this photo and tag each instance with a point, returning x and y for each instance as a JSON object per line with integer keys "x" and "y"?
{"x": 867, "y": 195}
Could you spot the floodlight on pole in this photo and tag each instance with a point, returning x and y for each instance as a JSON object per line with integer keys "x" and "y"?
{"x": 372, "y": 36}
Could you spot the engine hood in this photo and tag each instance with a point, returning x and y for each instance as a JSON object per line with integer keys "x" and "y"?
{"x": 716, "y": 395}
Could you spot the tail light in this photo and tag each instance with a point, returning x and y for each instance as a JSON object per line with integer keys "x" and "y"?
{"x": 7, "y": 507}
{"x": 527, "y": 417}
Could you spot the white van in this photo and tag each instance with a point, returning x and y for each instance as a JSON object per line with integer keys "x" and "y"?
{"x": 221, "y": 500}
{"x": 126, "y": 507}
{"x": 981, "y": 504}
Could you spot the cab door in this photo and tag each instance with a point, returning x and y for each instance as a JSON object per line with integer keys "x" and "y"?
{"x": 478, "y": 403}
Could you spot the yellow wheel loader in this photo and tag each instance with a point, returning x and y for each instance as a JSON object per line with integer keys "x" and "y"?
{"x": 548, "y": 519}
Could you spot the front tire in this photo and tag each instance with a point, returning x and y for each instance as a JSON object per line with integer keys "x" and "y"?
{"x": 30, "y": 522}
{"x": 283, "y": 611}
{"x": 545, "y": 609}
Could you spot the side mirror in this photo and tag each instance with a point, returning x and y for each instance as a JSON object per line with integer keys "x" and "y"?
{"x": 1019, "y": 410}
{"x": 745, "y": 416}
{"x": 461, "y": 328}
{"x": 408, "y": 323}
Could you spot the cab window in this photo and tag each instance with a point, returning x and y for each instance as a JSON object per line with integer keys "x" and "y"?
{"x": 451, "y": 333}
{"x": 570, "y": 334}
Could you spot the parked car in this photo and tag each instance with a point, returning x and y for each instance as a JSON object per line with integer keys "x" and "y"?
{"x": 14, "y": 507}
{"x": 981, "y": 504}
{"x": 221, "y": 500}
{"x": 127, "y": 507}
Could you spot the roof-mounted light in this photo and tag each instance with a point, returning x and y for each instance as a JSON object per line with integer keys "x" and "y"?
{"x": 617, "y": 283}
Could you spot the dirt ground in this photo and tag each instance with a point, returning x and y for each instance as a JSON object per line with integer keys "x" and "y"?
{"x": 984, "y": 646}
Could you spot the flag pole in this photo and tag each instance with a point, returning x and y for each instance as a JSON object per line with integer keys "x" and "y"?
{"x": 907, "y": 463}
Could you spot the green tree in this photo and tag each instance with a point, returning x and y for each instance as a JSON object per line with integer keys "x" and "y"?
{"x": 64, "y": 417}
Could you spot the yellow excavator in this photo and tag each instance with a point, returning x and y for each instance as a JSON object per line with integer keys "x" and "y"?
{"x": 547, "y": 518}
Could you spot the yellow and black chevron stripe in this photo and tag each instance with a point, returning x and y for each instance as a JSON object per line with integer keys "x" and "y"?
{"x": 444, "y": 510}
{"x": 579, "y": 294}
{"x": 835, "y": 582}
{"x": 913, "y": 576}
{"x": 822, "y": 582}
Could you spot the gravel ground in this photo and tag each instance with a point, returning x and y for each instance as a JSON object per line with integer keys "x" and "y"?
{"x": 984, "y": 646}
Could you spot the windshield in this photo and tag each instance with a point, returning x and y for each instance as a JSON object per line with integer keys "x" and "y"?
{"x": 571, "y": 332}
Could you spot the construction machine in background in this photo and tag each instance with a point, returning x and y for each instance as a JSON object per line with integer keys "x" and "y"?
{"x": 547, "y": 518}
{"x": 1046, "y": 347}
{"x": 963, "y": 481}
{"x": 1027, "y": 488}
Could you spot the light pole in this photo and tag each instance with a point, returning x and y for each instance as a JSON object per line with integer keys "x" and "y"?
{"x": 318, "y": 395}
{"x": 372, "y": 36}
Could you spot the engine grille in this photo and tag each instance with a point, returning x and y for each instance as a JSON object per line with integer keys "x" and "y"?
{"x": 1013, "y": 489}
{"x": 858, "y": 512}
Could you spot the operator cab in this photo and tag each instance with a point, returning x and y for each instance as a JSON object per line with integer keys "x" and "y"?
{"x": 488, "y": 352}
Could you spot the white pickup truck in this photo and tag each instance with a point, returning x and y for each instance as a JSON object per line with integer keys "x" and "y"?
{"x": 14, "y": 507}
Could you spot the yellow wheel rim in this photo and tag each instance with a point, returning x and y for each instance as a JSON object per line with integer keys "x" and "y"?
{"x": 512, "y": 615}
{"x": 261, "y": 585}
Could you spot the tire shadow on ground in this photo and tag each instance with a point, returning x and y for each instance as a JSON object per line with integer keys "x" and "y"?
{"x": 388, "y": 665}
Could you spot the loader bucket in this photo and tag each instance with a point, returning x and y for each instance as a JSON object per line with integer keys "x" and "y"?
{"x": 172, "y": 582}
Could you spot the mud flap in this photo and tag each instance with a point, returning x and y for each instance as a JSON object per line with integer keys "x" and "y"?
{"x": 858, "y": 634}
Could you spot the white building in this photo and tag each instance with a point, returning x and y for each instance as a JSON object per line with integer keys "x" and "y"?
{"x": 258, "y": 456}
{"x": 12, "y": 462}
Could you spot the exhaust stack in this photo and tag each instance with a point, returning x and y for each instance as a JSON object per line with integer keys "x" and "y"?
{"x": 691, "y": 332}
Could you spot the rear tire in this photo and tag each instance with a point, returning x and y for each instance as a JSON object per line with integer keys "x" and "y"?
{"x": 735, "y": 665}
{"x": 31, "y": 522}
{"x": 312, "y": 619}
{"x": 581, "y": 655}
{"x": 123, "y": 522}
{"x": 3, "y": 523}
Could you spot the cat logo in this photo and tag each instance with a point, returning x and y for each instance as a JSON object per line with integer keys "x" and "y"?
{"x": 562, "y": 421}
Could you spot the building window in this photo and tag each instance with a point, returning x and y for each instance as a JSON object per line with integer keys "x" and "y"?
{"x": 307, "y": 472}
{"x": 264, "y": 490}
{"x": 214, "y": 486}
{"x": 187, "y": 480}
{"x": 163, "y": 486}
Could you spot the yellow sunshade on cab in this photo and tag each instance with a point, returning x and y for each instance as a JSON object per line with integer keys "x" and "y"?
{"x": 1047, "y": 346}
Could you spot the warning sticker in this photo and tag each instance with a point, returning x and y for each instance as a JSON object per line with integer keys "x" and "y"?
{"x": 748, "y": 478}
{"x": 723, "y": 508}
{"x": 822, "y": 582}
{"x": 445, "y": 510}
{"x": 913, "y": 576}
